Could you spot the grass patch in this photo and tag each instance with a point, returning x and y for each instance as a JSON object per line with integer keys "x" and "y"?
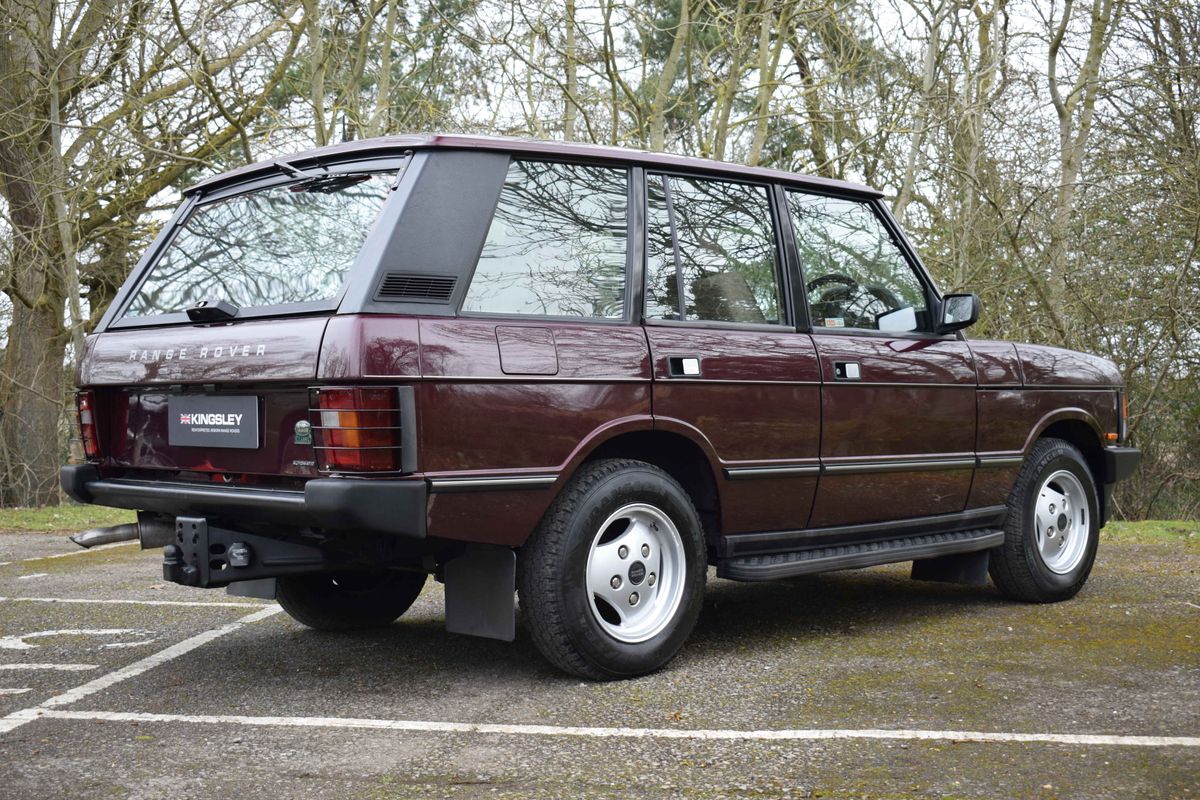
{"x": 70, "y": 518}
{"x": 1154, "y": 530}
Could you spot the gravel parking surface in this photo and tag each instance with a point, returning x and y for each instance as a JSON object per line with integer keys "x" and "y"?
{"x": 855, "y": 684}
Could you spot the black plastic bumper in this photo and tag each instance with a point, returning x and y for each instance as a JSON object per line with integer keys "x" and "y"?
{"x": 1120, "y": 462}
{"x": 389, "y": 507}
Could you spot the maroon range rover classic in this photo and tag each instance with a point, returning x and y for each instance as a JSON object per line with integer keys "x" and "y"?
{"x": 581, "y": 373}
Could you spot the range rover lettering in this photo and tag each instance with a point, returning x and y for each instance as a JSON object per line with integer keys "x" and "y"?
{"x": 569, "y": 379}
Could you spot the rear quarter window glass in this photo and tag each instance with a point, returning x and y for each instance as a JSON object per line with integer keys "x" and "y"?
{"x": 269, "y": 247}
{"x": 556, "y": 245}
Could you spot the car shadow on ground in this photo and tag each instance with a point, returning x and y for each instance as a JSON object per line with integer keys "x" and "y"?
{"x": 736, "y": 617}
{"x": 830, "y": 603}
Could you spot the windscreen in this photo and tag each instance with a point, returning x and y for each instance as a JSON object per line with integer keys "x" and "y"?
{"x": 284, "y": 244}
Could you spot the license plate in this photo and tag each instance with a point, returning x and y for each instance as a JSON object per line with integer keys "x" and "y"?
{"x": 208, "y": 421}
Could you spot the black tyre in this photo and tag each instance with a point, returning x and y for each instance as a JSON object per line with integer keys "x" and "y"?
{"x": 1052, "y": 529}
{"x": 612, "y": 581}
{"x": 348, "y": 601}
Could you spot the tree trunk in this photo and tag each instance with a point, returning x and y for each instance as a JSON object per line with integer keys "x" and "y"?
{"x": 32, "y": 381}
{"x": 769, "y": 54}
{"x": 570, "y": 111}
{"x": 666, "y": 79}
{"x": 929, "y": 70}
{"x": 1075, "y": 111}
{"x": 727, "y": 89}
{"x": 30, "y": 430}
{"x": 32, "y": 385}
{"x": 317, "y": 68}
{"x": 817, "y": 122}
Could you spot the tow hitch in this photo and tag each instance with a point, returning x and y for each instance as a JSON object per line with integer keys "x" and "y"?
{"x": 205, "y": 555}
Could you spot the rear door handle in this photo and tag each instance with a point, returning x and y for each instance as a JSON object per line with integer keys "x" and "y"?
{"x": 683, "y": 366}
{"x": 847, "y": 371}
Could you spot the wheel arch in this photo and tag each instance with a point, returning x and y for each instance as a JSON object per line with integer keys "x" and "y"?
{"x": 1080, "y": 429}
{"x": 685, "y": 459}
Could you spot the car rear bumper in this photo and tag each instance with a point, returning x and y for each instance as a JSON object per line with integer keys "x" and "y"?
{"x": 386, "y": 507}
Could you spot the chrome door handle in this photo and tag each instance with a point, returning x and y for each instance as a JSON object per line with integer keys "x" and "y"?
{"x": 847, "y": 371}
{"x": 683, "y": 366}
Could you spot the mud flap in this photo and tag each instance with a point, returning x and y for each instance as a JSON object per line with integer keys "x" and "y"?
{"x": 480, "y": 585}
{"x": 262, "y": 588}
{"x": 969, "y": 568}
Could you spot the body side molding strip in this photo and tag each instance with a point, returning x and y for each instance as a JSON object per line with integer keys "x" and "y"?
{"x": 864, "y": 466}
{"x": 443, "y": 485}
{"x": 744, "y": 473}
{"x": 997, "y": 460}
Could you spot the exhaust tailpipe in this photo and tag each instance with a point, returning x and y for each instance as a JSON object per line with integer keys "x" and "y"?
{"x": 155, "y": 530}
{"x": 115, "y": 533}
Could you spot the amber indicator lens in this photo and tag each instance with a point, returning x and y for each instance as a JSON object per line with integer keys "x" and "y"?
{"x": 357, "y": 429}
{"x": 85, "y": 405}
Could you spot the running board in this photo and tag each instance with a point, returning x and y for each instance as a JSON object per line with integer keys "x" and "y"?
{"x": 853, "y": 556}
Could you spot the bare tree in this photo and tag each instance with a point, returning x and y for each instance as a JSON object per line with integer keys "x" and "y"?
{"x": 81, "y": 86}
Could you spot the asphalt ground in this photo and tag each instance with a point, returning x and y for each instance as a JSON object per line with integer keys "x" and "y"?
{"x": 853, "y": 684}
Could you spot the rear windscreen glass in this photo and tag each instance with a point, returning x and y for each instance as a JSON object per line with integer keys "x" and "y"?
{"x": 284, "y": 244}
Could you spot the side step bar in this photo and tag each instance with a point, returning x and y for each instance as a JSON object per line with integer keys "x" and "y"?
{"x": 853, "y": 556}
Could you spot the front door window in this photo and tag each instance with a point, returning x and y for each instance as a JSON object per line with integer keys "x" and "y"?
{"x": 856, "y": 276}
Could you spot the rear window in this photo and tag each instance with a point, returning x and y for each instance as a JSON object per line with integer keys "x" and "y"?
{"x": 277, "y": 246}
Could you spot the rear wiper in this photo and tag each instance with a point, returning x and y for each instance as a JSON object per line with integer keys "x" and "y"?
{"x": 294, "y": 171}
{"x": 214, "y": 310}
{"x": 328, "y": 184}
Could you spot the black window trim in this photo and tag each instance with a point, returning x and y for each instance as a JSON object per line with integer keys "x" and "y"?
{"x": 787, "y": 309}
{"x": 631, "y": 221}
{"x": 193, "y": 202}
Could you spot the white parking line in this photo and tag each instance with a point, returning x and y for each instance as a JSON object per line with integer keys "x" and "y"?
{"x": 19, "y": 718}
{"x": 414, "y": 726}
{"x": 32, "y": 575}
{"x": 14, "y": 691}
{"x": 90, "y": 601}
{"x": 55, "y": 667}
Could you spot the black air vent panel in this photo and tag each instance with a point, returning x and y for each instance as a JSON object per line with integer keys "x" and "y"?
{"x": 413, "y": 287}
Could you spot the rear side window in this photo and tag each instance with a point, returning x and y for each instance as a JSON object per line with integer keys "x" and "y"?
{"x": 710, "y": 252}
{"x": 281, "y": 245}
{"x": 556, "y": 246}
{"x": 855, "y": 274}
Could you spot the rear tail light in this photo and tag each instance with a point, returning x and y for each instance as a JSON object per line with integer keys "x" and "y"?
{"x": 357, "y": 429}
{"x": 85, "y": 406}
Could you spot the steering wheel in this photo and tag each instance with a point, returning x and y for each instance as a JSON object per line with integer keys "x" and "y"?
{"x": 833, "y": 277}
{"x": 885, "y": 296}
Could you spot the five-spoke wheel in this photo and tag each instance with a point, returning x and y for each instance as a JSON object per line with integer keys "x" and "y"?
{"x": 635, "y": 573}
{"x": 612, "y": 581}
{"x": 1052, "y": 529}
{"x": 1062, "y": 522}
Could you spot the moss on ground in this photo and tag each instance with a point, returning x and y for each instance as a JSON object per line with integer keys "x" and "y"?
{"x": 67, "y": 518}
{"x": 1154, "y": 530}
